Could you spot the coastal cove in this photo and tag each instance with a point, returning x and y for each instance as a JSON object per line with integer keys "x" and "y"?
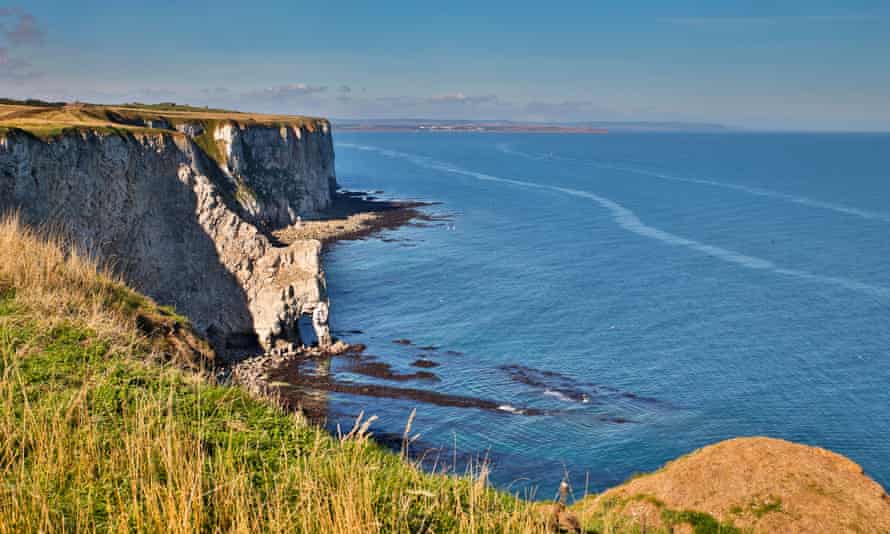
{"x": 624, "y": 288}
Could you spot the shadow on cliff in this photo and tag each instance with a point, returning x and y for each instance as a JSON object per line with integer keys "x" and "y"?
{"x": 120, "y": 199}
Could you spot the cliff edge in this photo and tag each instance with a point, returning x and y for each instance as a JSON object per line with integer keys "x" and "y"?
{"x": 182, "y": 201}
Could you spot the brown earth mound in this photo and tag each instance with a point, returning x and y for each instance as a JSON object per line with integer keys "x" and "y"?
{"x": 754, "y": 484}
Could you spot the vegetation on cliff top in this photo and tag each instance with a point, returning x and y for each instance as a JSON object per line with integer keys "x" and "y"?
{"x": 50, "y": 119}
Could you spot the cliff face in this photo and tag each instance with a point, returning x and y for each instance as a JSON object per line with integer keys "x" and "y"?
{"x": 262, "y": 159}
{"x": 181, "y": 225}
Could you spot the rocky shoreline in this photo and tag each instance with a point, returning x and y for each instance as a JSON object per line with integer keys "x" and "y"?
{"x": 298, "y": 376}
{"x": 353, "y": 215}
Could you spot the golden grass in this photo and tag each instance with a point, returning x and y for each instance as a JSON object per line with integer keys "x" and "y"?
{"x": 95, "y": 438}
{"x": 55, "y": 280}
{"x": 46, "y": 121}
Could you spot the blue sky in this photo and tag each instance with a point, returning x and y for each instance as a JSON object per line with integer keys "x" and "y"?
{"x": 771, "y": 65}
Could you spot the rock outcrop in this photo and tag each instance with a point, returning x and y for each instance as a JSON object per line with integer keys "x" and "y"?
{"x": 182, "y": 212}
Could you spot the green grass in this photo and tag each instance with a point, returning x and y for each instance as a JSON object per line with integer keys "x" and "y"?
{"x": 208, "y": 144}
{"x": 701, "y": 522}
{"x": 172, "y": 106}
{"x": 759, "y": 507}
{"x": 50, "y": 132}
{"x": 31, "y": 102}
{"x": 74, "y": 408}
{"x": 615, "y": 514}
{"x": 245, "y": 194}
{"x": 130, "y": 302}
{"x": 769, "y": 506}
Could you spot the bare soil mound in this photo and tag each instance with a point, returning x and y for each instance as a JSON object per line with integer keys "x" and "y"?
{"x": 754, "y": 484}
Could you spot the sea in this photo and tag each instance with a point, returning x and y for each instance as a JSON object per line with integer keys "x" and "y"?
{"x": 622, "y": 299}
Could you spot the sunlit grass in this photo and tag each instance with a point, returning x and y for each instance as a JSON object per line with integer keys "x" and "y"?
{"x": 50, "y": 120}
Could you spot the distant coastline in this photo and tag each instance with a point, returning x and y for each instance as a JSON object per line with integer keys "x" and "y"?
{"x": 506, "y": 128}
{"x": 503, "y": 126}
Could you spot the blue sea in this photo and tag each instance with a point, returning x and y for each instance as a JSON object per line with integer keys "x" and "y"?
{"x": 624, "y": 298}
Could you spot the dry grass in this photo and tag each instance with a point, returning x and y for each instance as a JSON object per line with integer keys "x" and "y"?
{"x": 95, "y": 437}
{"x": 53, "y": 279}
{"x": 757, "y": 484}
{"x": 47, "y": 121}
{"x": 176, "y": 115}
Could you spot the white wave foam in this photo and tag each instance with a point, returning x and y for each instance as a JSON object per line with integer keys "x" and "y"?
{"x": 629, "y": 221}
{"x": 561, "y": 396}
{"x": 510, "y": 409}
{"x": 757, "y": 191}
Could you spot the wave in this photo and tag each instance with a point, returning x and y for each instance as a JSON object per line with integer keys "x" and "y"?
{"x": 757, "y": 191}
{"x": 562, "y": 396}
{"x": 628, "y": 220}
{"x": 611, "y": 403}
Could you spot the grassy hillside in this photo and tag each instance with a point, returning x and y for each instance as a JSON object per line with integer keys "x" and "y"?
{"x": 98, "y": 433}
{"x": 48, "y": 119}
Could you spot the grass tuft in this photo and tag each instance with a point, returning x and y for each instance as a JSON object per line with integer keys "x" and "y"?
{"x": 701, "y": 522}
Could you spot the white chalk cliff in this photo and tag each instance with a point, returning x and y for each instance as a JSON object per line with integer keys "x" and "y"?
{"x": 187, "y": 224}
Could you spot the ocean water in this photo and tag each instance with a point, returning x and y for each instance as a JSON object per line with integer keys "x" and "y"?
{"x": 622, "y": 298}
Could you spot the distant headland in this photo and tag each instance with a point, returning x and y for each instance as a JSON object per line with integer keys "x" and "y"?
{"x": 505, "y": 126}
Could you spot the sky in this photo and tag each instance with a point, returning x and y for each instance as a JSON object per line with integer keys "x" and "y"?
{"x": 778, "y": 65}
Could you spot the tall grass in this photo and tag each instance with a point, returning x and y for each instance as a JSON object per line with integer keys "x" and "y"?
{"x": 96, "y": 437}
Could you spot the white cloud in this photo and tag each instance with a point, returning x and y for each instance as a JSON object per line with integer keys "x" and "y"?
{"x": 286, "y": 92}
{"x": 461, "y": 98}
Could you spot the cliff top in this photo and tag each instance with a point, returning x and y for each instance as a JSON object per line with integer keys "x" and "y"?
{"x": 46, "y": 119}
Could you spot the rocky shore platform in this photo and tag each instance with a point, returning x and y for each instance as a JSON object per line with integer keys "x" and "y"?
{"x": 294, "y": 374}
{"x": 357, "y": 215}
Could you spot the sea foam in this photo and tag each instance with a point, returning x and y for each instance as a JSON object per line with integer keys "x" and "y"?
{"x": 628, "y": 220}
{"x": 757, "y": 191}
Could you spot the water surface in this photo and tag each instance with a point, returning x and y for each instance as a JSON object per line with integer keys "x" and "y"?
{"x": 644, "y": 294}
